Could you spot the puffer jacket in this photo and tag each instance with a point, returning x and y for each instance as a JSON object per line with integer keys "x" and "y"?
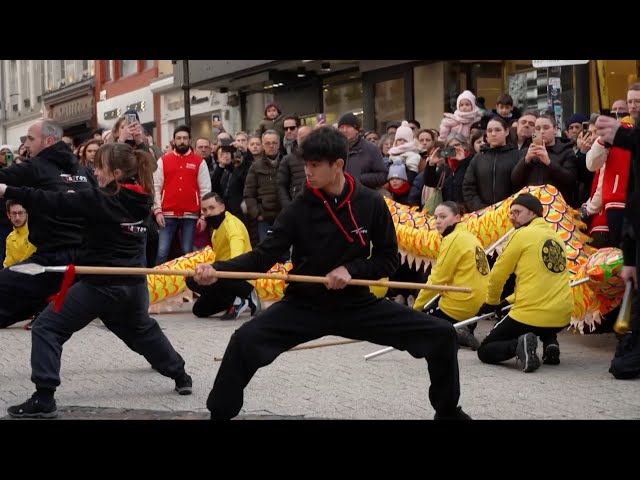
{"x": 261, "y": 189}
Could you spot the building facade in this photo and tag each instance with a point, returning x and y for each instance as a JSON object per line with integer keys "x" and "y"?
{"x": 204, "y": 106}
{"x": 69, "y": 96}
{"x": 21, "y": 86}
{"x": 123, "y": 85}
{"x": 384, "y": 91}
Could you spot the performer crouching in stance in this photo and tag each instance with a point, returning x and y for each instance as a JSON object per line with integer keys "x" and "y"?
{"x": 542, "y": 298}
{"x": 331, "y": 226}
{"x": 461, "y": 263}
{"x": 117, "y": 214}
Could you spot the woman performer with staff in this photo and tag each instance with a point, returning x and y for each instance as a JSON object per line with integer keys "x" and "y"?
{"x": 117, "y": 215}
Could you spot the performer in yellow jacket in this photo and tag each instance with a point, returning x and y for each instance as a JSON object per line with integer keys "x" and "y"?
{"x": 18, "y": 247}
{"x": 230, "y": 239}
{"x": 542, "y": 298}
{"x": 461, "y": 262}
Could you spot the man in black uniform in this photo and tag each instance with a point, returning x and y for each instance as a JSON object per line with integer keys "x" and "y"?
{"x": 52, "y": 166}
{"x": 626, "y": 362}
{"x": 331, "y": 226}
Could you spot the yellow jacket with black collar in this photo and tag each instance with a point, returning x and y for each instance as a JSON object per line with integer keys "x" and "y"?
{"x": 231, "y": 238}
{"x": 18, "y": 247}
{"x": 542, "y": 296}
{"x": 463, "y": 263}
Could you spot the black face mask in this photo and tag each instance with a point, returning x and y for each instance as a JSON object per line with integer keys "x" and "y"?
{"x": 131, "y": 142}
{"x": 182, "y": 149}
{"x": 214, "y": 221}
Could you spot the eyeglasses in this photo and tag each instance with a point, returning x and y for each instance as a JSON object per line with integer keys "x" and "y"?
{"x": 289, "y": 129}
{"x": 18, "y": 214}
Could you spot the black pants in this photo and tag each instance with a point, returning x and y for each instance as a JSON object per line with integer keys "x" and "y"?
{"x": 436, "y": 312}
{"x": 500, "y": 344}
{"x": 405, "y": 273}
{"x": 22, "y": 295}
{"x": 626, "y": 362}
{"x": 219, "y": 296}
{"x": 615, "y": 220}
{"x": 284, "y": 325}
{"x": 122, "y": 308}
{"x": 152, "y": 243}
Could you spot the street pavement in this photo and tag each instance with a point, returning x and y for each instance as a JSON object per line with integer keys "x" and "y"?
{"x": 103, "y": 379}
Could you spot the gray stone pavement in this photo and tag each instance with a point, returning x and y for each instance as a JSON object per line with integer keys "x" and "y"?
{"x": 102, "y": 378}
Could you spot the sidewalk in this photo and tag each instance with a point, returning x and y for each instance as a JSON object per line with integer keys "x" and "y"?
{"x": 102, "y": 378}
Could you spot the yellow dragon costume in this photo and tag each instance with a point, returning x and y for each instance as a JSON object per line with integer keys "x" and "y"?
{"x": 419, "y": 243}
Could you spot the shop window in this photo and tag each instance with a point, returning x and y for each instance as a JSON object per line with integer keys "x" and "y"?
{"x": 339, "y": 98}
{"x": 254, "y": 109}
{"x": 128, "y": 67}
{"x": 619, "y": 75}
{"x": 531, "y": 89}
{"x": 108, "y": 70}
{"x": 388, "y": 103}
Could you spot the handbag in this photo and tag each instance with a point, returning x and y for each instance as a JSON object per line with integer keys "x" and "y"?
{"x": 432, "y": 196}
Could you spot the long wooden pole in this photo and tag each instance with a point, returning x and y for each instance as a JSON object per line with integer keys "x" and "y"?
{"x": 257, "y": 275}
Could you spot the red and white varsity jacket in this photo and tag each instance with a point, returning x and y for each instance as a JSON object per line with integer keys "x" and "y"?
{"x": 179, "y": 183}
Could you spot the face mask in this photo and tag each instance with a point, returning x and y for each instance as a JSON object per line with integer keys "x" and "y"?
{"x": 214, "y": 221}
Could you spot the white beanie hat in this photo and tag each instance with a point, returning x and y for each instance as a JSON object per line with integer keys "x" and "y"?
{"x": 6, "y": 147}
{"x": 404, "y": 131}
{"x": 466, "y": 95}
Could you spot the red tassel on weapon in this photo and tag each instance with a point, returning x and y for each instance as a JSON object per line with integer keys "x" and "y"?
{"x": 67, "y": 280}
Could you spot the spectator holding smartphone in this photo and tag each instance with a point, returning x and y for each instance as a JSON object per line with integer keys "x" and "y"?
{"x": 488, "y": 176}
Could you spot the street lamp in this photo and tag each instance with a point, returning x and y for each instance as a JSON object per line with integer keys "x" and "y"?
{"x": 187, "y": 96}
{"x": 187, "y": 89}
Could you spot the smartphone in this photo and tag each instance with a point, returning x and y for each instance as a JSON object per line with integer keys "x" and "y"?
{"x": 215, "y": 118}
{"x": 131, "y": 118}
{"x": 585, "y": 127}
{"x": 321, "y": 117}
{"x": 8, "y": 158}
{"x": 447, "y": 152}
{"x": 537, "y": 139}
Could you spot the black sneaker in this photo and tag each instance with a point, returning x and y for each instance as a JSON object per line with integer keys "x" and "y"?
{"x": 239, "y": 306}
{"x": 551, "y": 355}
{"x": 457, "y": 414}
{"x": 466, "y": 338}
{"x": 526, "y": 352}
{"x": 184, "y": 384}
{"x": 254, "y": 303}
{"x": 34, "y": 408}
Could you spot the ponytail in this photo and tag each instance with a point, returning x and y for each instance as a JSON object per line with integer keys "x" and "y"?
{"x": 145, "y": 166}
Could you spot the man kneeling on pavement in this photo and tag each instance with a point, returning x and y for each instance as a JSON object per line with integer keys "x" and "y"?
{"x": 541, "y": 301}
{"x": 230, "y": 239}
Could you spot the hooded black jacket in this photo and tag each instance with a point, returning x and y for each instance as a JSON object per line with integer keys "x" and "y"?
{"x": 561, "y": 171}
{"x": 629, "y": 139}
{"x": 116, "y": 223}
{"x": 54, "y": 169}
{"x": 488, "y": 177}
{"x": 327, "y": 233}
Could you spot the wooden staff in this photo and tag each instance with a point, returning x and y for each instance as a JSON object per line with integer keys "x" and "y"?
{"x": 35, "y": 269}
